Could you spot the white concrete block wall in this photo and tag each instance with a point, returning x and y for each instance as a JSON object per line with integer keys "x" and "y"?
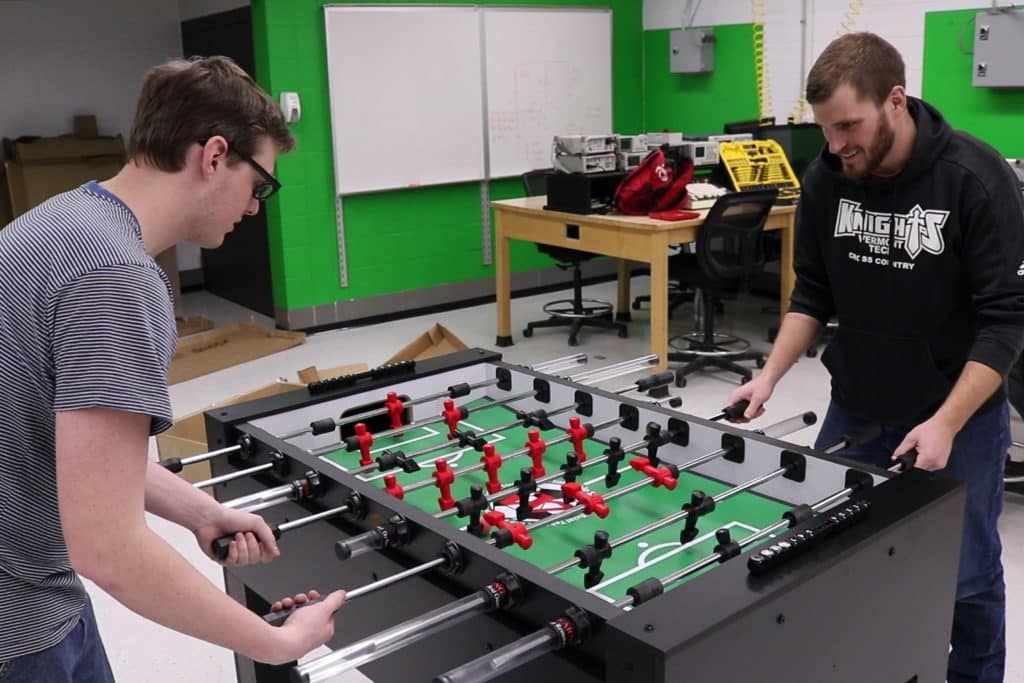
{"x": 63, "y": 58}
{"x": 901, "y": 22}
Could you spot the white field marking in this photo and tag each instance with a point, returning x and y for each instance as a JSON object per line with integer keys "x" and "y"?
{"x": 429, "y": 433}
{"x": 675, "y": 549}
{"x": 591, "y": 482}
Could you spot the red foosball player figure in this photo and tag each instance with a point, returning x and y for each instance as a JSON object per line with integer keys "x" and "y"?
{"x": 395, "y": 407}
{"x": 535, "y": 447}
{"x": 444, "y": 477}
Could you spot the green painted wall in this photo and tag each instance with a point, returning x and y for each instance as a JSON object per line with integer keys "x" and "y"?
{"x": 699, "y": 104}
{"x": 400, "y": 240}
{"x": 996, "y": 115}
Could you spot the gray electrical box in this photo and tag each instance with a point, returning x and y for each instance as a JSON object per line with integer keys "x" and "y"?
{"x": 692, "y": 51}
{"x": 998, "y": 49}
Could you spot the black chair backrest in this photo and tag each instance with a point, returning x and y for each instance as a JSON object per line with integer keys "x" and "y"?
{"x": 535, "y": 183}
{"x": 730, "y": 248}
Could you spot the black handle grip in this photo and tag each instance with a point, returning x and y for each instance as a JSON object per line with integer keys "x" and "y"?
{"x": 660, "y": 380}
{"x": 323, "y": 426}
{"x": 222, "y": 545}
{"x": 172, "y": 464}
{"x": 907, "y": 460}
{"x": 278, "y": 618}
{"x": 735, "y": 410}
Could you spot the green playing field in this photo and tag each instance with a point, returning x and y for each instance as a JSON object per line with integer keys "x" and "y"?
{"x": 655, "y": 554}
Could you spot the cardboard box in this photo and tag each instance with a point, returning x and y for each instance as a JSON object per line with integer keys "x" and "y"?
{"x": 221, "y": 348}
{"x": 85, "y": 126}
{"x": 62, "y": 148}
{"x": 188, "y": 435}
{"x": 436, "y": 341}
{"x": 39, "y": 168}
{"x": 32, "y": 184}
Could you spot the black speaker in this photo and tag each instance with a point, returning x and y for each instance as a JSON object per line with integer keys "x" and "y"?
{"x": 583, "y": 192}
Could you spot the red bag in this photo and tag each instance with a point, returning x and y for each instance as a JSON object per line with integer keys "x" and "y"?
{"x": 658, "y": 184}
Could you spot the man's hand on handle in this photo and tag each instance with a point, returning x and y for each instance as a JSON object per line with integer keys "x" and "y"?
{"x": 757, "y": 392}
{"x": 306, "y": 628}
{"x": 254, "y": 542}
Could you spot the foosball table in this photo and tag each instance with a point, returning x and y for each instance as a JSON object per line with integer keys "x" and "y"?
{"x": 492, "y": 521}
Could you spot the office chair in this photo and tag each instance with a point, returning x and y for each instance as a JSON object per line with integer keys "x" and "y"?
{"x": 730, "y": 251}
{"x": 577, "y": 312}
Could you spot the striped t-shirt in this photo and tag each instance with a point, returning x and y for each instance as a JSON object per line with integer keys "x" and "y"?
{"x": 86, "y": 320}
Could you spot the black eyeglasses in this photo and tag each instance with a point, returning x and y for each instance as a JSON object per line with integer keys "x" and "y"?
{"x": 263, "y": 191}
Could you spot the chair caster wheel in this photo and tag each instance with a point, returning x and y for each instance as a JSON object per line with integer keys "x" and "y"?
{"x": 623, "y": 333}
{"x": 636, "y": 306}
{"x": 527, "y": 332}
{"x": 573, "y": 341}
{"x": 680, "y": 381}
{"x": 759, "y": 362}
{"x": 747, "y": 377}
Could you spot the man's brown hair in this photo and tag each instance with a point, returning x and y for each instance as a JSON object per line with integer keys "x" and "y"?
{"x": 862, "y": 60}
{"x": 184, "y": 101}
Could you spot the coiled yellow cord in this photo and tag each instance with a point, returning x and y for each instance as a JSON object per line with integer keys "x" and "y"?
{"x": 764, "y": 98}
{"x": 849, "y": 17}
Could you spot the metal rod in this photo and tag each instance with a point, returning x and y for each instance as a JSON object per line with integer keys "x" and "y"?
{"x": 232, "y": 476}
{"x": 262, "y": 499}
{"x": 193, "y": 459}
{"x": 395, "y": 578}
{"x": 287, "y": 526}
{"x": 376, "y": 412}
{"x": 476, "y": 467}
{"x": 634, "y": 363}
{"x": 380, "y": 644}
{"x": 556, "y": 364}
{"x": 541, "y": 480}
{"x": 447, "y": 444}
{"x": 758, "y": 535}
{"x": 499, "y": 662}
{"x": 792, "y": 424}
{"x": 544, "y": 366}
{"x": 419, "y": 423}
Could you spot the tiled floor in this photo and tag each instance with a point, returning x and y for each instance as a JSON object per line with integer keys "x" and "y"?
{"x": 140, "y": 650}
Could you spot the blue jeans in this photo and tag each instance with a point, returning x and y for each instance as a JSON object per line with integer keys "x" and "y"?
{"x": 977, "y": 458}
{"x": 79, "y": 658}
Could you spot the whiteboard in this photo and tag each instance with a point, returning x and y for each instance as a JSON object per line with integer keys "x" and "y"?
{"x": 549, "y": 72}
{"x": 406, "y": 96}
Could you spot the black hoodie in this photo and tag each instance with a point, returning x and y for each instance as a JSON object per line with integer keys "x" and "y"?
{"x": 923, "y": 271}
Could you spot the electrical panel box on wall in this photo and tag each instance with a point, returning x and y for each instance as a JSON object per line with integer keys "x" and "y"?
{"x": 998, "y": 37}
{"x": 692, "y": 51}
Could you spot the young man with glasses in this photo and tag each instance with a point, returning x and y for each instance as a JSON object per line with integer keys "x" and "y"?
{"x": 87, "y": 333}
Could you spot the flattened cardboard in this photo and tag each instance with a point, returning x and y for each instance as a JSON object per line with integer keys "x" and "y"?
{"x": 224, "y": 347}
{"x": 436, "y": 341}
{"x": 193, "y": 324}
